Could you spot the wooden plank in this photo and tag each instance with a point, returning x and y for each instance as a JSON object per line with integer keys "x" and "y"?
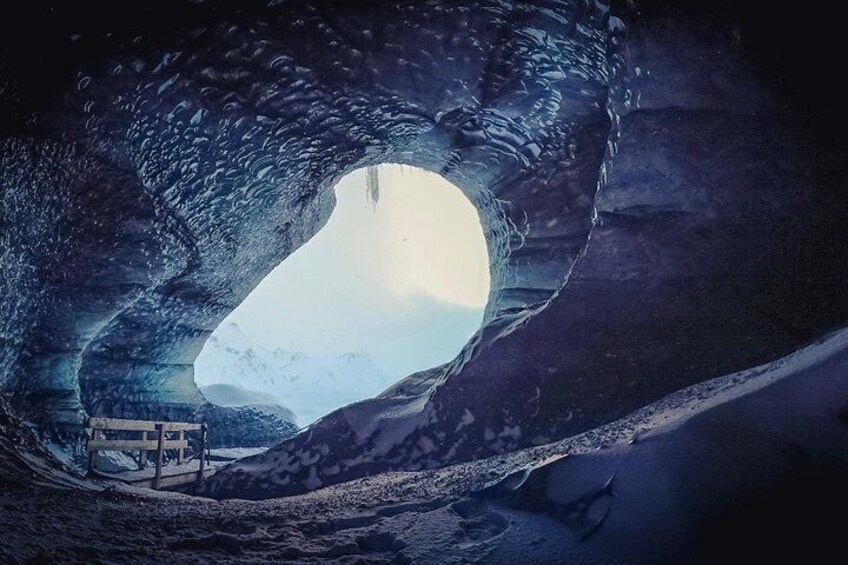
{"x": 166, "y": 480}
{"x": 120, "y": 425}
{"x": 133, "y": 444}
{"x": 138, "y": 425}
{"x": 180, "y": 451}
{"x": 180, "y": 427}
{"x": 143, "y": 483}
{"x": 142, "y": 459}
{"x": 201, "y": 472}
{"x": 181, "y": 479}
{"x": 160, "y": 451}
{"x": 92, "y": 455}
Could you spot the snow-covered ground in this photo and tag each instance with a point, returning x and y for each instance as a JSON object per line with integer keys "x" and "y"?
{"x": 234, "y": 396}
{"x": 310, "y": 386}
{"x": 745, "y": 466}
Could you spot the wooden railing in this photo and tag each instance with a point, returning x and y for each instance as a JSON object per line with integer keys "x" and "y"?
{"x": 160, "y": 443}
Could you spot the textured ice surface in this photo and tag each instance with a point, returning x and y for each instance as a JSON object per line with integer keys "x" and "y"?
{"x": 187, "y": 170}
{"x": 641, "y": 240}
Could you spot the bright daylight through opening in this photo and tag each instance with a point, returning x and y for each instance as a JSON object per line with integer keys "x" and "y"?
{"x": 395, "y": 283}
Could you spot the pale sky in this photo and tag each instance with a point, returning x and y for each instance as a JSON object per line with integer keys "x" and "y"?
{"x": 405, "y": 279}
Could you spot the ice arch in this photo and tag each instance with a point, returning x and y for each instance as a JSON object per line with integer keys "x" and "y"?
{"x": 200, "y": 160}
{"x": 395, "y": 283}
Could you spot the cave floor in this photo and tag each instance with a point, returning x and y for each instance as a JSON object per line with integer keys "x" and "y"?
{"x": 391, "y": 518}
{"x": 677, "y": 454}
{"x": 404, "y": 517}
{"x": 409, "y": 517}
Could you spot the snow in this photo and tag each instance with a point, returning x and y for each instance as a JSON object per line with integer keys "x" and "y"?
{"x": 232, "y": 453}
{"x": 310, "y": 386}
{"x": 629, "y": 492}
{"x": 115, "y": 462}
{"x": 235, "y": 396}
{"x": 232, "y": 395}
{"x": 696, "y": 452}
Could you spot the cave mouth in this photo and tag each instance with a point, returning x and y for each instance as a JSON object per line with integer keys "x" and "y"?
{"x": 396, "y": 282}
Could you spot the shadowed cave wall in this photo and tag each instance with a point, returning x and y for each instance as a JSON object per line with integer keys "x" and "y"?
{"x": 657, "y": 210}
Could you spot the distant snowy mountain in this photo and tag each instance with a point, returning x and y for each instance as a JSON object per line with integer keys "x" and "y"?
{"x": 310, "y": 386}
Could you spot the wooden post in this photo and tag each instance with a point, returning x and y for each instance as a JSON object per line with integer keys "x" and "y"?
{"x": 92, "y": 456}
{"x": 180, "y": 451}
{"x": 142, "y": 459}
{"x": 202, "y": 453}
{"x": 160, "y": 452}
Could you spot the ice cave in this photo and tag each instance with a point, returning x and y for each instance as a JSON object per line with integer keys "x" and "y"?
{"x": 659, "y": 368}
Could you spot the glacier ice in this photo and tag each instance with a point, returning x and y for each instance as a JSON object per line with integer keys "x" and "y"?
{"x": 651, "y": 222}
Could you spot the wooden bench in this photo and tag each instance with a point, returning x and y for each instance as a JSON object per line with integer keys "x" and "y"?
{"x": 160, "y": 443}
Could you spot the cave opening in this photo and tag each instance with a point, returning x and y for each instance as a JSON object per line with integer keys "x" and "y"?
{"x": 396, "y": 282}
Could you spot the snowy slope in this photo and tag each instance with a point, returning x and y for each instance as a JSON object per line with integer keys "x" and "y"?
{"x": 235, "y": 396}
{"x": 310, "y": 386}
{"x": 745, "y": 468}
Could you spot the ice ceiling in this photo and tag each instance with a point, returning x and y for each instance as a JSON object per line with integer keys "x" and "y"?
{"x": 198, "y": 168}
{"x": 650, "y": 222}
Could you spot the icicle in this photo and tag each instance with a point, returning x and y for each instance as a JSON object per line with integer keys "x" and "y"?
{"x": 373, "y": 186}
